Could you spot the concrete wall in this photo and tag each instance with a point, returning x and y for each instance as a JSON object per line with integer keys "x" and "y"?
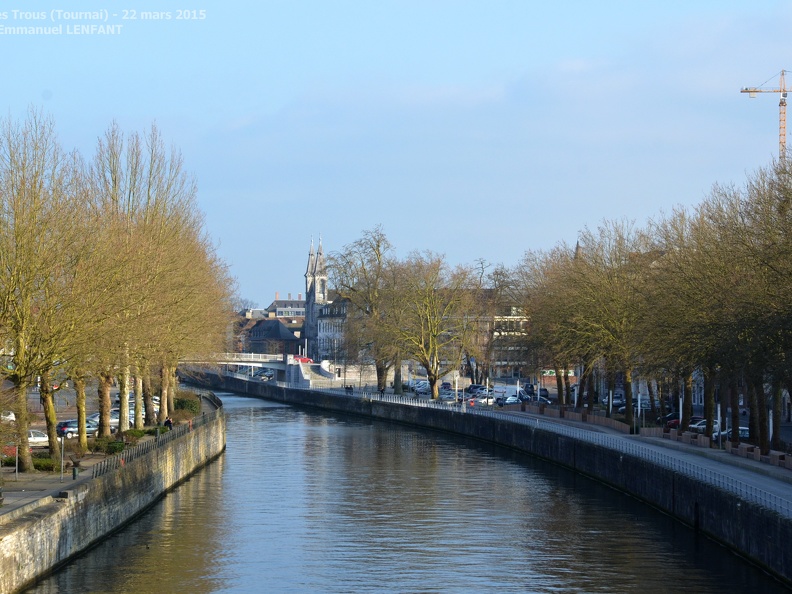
{"x": 33, "y": 544}
{"x": 753, "y": 531}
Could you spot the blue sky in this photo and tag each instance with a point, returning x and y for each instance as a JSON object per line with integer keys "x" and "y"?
{"x": 477, "y": 129}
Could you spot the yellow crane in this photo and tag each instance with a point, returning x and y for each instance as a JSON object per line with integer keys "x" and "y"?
{"x": 752, "y": 91}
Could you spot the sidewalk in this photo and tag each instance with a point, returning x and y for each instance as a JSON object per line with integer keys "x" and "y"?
{"x": 774, "y": 479}
{"x": 21, "y": 489}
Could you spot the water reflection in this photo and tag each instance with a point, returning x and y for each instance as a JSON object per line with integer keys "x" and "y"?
{"x": 308, "y": 502}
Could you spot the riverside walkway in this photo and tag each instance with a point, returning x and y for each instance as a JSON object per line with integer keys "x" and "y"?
{"x": 28, "y": 490}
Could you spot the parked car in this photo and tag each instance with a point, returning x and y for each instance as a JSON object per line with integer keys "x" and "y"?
{"x": 474, "y": 389}
{"x": 69, "y": 429}
{"x": 744, "y": 433}
{"x": 501, "y": 393}
{"x": 37, "y": 439}
{"x": 7, "y": 415}
{"x": 701, "y": 426}
{"x": 423, "y": 388}
{"x": 541, "y": 400}
{"x": 510, "y": 400}
{"x": 543, "y": 393}
{"x": 114, "y": 416}
{"x": 484, "y": 397}
{"x": 674, "y": 423}
{"x": 529, "y": 389}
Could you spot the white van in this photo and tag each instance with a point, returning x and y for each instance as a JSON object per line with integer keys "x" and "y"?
{"x": 503, "y": 392}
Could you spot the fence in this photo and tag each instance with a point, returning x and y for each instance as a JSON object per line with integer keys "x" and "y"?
{"x": 144, "y": 447}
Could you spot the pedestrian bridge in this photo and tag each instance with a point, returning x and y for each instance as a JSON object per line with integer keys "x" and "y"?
{"x": 285, "y": 367}
{"x": 245, "y": 359}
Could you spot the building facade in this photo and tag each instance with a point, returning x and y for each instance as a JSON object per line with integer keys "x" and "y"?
{"x": 315, "y": 298}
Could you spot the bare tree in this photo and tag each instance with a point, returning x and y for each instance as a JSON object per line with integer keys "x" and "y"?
{"x": 428, "y": 313}
{"x": 40, "y": 251}
{"x": 359, "y": 274}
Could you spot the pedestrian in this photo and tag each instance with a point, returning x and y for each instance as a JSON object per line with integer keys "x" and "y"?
{"x": 168, "y": 423}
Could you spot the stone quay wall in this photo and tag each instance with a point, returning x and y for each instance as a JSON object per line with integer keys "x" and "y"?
{"x": 757, "y": 533}
{"x": 34, "y": 542}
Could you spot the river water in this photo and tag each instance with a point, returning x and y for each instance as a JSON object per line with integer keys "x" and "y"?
{"x": 307, "y": 501}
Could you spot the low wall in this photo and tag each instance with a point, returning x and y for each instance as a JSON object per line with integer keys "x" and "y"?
{"x": 754, "y": 531}
{"x": 37, "y": 542}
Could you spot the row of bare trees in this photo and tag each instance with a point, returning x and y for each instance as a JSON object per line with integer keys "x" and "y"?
{"x": 703, "y": 290}
{"x": 106, "y": 272}
{"x": 419, "y": 308}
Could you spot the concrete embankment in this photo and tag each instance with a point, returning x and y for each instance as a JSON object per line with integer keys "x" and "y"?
{"x": 754, "y": 531}
{"x": 34, "y": 542}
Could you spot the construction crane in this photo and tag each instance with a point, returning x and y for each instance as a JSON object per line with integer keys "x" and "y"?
{"x": 752, "y": 91}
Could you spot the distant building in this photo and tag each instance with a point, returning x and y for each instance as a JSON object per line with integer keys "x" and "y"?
{"x": 286, "y": 308}
{"x": 315, "y": 298}
{"x": 272, "y": 337}
{"x": 330, "y": 336}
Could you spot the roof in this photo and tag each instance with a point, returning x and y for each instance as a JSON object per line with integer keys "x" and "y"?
{"x": 272, "y": 330}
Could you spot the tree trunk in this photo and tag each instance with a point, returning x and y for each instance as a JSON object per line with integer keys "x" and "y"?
{"x": 753, "y": 411}
{"x": 590, "y": 389}
{"x": 148, "y": 401}
{"x": 21, "y": 412}
{"x": 397, "y": 377}
{"x": 382, "y": 374}
{"x": 105, "y": 382}
{"x": 611, "y": 389}
{"x": 165, "y": 379}
{"x": 687, "y": 402}
{"x": 138, "y": 401}
{"x": 123, "y": 399}
{"x": 652, "y": 406}
{"x": 776, "y": 443}
{"x": 50, "y": 416}
{"x": 709, "y": 402}
{"x": 734, "y": 403}
{"x": 173, "y": 386}
{"x": 559, "y": 380}
{"x": 761, "y": 408}
{"x": 79, "y": 389}
{"x": 628, "y": 397}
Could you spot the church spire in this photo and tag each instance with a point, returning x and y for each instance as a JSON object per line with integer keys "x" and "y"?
{"x": 309, "y": 270}
{"x": 320, "y": 268}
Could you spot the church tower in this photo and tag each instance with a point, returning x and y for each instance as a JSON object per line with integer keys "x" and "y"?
{"x": 315, "y": 297}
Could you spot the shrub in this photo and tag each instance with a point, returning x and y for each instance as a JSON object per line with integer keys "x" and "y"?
{"x": 98, "y": 444}
{"x": 45, "y": 464}
{"x": 114, "y": 447}
{"x": 8, "y": 461}
{"x": 107, "y": 445}
{"x": 131, "y": 436}
{"x": 155, "y": 430}
{"x": 190, "y": 403}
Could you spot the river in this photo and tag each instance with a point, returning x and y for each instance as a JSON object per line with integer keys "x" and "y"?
{"x": 307, "y": 501}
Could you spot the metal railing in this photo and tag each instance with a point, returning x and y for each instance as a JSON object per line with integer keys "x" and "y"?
{"x": 144, "y": 447}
